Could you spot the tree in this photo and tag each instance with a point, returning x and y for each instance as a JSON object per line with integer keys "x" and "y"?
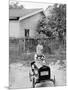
{"x": 55, "y": 23}
{"x": 15, "y": 5}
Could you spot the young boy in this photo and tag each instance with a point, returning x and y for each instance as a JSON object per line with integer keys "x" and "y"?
{"x": 39, "y": 56}
{"x": 39, "y": 61}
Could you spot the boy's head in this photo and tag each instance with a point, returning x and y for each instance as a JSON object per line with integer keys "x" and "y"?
{"x": 39, "y": 42}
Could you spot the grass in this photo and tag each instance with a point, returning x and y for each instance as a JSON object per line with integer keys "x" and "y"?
{"x": 27, "y": 58}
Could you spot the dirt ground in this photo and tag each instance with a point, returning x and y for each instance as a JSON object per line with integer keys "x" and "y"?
{"x": 19, "y": 75}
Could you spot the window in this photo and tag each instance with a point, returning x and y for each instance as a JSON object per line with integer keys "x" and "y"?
{"x": 26, "y": 32}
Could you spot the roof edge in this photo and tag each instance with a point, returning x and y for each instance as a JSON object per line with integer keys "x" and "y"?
{"x": 41, "y": 10}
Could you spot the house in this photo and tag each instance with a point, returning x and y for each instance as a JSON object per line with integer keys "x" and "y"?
{"x": 24, "y": 22}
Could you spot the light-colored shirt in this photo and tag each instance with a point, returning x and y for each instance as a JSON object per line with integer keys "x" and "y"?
{"x": 39, "y": 48}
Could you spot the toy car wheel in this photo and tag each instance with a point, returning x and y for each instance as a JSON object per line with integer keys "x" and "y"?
{"x": 33, "y": 82}
{"x": 30, "y": 77}
{"x": 54, "y": 80}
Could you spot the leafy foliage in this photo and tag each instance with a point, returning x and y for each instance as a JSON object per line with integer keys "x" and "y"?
{"x": 55, "y": 24}
{"x": 15, "y": 5}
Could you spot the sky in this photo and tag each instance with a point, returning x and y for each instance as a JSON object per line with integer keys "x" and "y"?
{"x": 29, "y": 4}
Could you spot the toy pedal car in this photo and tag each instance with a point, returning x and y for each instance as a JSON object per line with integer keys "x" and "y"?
{"x": 42, "y": 74}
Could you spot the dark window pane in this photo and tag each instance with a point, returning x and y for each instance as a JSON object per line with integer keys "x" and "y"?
{"x": 26, "y": 32}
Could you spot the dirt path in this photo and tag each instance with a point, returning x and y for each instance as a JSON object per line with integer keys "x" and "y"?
{"x": 19, "y": 75}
